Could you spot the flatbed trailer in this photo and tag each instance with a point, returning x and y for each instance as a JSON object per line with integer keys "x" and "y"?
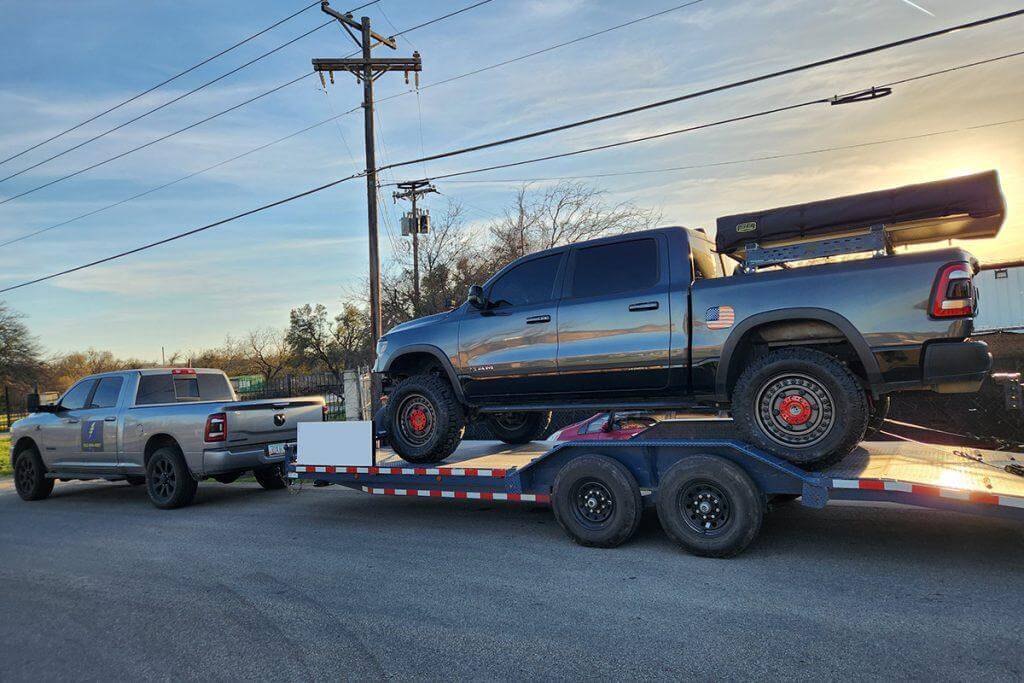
{"x": 710, "y": 490}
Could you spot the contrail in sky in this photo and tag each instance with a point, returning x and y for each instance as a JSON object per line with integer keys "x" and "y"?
{"x": 916, "y": 6}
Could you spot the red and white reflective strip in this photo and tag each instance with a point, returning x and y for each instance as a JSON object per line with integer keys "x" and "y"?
{"x": 465, "y": 495}
{"x": 924, "y": 490}
{"x": 438, "y": 471}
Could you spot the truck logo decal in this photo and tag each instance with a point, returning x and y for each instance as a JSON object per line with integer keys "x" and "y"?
{"x": 719, "y": 317}
{"x": 279, "y": 419}
{"x": 92, "y": 435}
{"x": 747, "y": 227}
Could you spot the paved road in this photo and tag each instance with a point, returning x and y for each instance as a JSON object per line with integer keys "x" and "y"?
{"x": 335, "y": 584}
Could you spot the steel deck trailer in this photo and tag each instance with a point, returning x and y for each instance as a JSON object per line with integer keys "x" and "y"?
{"x": 711, "y": 491}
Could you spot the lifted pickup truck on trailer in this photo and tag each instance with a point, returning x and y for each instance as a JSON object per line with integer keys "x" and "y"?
{"x": 166, "y": 428}
{"x": 802, "y": 356}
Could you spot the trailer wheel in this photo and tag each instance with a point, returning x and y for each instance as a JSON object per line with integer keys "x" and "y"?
{"x": 709, "y": 506}
{"x": 597, "y": 501}
{"x": 425, "y": 420}
{"x": 516, "y": 428}
{"x": 30, "y": 478}
{"x": 876, "y": 418}
{"x": 800, "y": 404}
{"x": 168, "y": 481}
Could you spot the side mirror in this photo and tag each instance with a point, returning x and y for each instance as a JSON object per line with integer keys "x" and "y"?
{"x": 32, "y": 403}
{"x": 476, "y": 297}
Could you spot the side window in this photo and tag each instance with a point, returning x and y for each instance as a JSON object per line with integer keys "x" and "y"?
{"x": 76, "y": 396}
{"x": 617, "y": 267}
{"x": 527, "y": 283}
{"x": 154, "y": 389}
{"x": 106, "y": 393}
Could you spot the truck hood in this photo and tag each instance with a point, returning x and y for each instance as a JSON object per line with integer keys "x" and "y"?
{"x": 420, "y": 322}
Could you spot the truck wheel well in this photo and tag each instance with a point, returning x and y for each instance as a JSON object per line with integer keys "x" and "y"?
{"x": 155, "y": 443}
{"x": 815, "y": 334}
{"x": 22, "y": 444}
{"x": 416, "y": 363}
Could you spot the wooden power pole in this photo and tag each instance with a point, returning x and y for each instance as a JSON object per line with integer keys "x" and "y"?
{"x": 367, "y": 69}
{"x": 413, "y": 190}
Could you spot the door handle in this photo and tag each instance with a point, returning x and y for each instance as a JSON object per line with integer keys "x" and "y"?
{"x": 534, "y": 319}
{"x": 71, "y": 420}
{"x": 110, "y": 418}
{"x": 644, "y": 306}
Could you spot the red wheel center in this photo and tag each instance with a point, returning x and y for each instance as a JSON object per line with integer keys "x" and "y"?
{"x": 795, "y": 410}
{"x": 418, "y": 419}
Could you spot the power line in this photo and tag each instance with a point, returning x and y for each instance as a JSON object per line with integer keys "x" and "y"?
{"x": 719, "y": 88}
{"x": 165, "y": 82}
{"x": 181, "y": 235}
{"x": 441, "y": 18}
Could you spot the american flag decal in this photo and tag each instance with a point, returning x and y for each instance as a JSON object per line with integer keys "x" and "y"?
{"x": 719, "y": 317}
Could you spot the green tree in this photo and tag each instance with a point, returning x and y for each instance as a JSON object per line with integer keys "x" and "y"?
{"x": 329, "y": 344}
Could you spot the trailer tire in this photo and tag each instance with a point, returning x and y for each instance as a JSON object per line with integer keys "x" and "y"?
{"x": 30, "y": 480}
{"x": 518, "y": 428}
{"x": 876, "y": 417}
{"x": 596, "y": 501}
{"x": 831, "y": 409}
{"x": 709, "y": 506}
{"x": 168, "y": 480}
{"x": 425, "y": 420}
{"x": 272, "y": 478}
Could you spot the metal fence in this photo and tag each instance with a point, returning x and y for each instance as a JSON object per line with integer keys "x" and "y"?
{"x": 13, "y": 407}
{"x": 288, "y": 386}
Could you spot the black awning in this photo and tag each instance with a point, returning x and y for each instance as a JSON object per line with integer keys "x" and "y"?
{"x": 967, "y": 207}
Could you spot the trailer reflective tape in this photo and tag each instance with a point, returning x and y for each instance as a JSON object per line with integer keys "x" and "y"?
{"x": 433, "y": 471}
{"x": 465, "y": 495}
{"x": 926, "y": 490}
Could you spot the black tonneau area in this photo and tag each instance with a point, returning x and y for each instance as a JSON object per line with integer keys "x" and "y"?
{"x": 968, "y": 207}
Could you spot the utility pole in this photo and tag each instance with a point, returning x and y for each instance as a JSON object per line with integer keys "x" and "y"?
{"x": 413, "y": 190}
{"x": 367, "y": 69}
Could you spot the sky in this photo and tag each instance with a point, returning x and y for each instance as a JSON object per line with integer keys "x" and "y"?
{"x": 64, "y": 61}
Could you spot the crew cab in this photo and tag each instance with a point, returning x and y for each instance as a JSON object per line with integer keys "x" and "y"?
{"x": 166, "y": 428}
{"x": 801, "y": 351}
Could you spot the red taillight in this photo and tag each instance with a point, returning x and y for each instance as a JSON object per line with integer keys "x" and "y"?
{"x": 216, "y": 428}
{"x": 954, "y": 291}
{"x": 183, "y": 371}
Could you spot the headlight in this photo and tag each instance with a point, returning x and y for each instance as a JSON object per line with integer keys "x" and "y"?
{"x": 382, "y": 345}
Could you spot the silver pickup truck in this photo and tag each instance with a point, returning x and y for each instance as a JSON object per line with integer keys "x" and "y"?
{"x": 166, "y": 428}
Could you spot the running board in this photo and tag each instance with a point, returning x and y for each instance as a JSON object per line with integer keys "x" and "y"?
{"x": 604, "y": 404}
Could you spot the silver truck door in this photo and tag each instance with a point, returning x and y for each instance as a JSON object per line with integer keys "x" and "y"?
{"x": 99, "y": 424}
{"x": 62, "y": 438}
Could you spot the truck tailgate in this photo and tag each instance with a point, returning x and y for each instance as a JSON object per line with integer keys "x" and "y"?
{"x": 270, "y": 421}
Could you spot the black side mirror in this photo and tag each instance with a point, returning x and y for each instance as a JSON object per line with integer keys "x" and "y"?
{"x": 476, "y": 297}
{"x": 32, "y": 403}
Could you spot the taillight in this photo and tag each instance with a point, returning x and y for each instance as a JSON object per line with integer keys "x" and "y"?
{"x": 954, "y": 292}
{"x": 216, "y": 428}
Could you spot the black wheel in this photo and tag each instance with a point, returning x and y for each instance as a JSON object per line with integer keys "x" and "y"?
{"x": 597, "y": 501}
{"x": 226, "y": 478}
{"x": 30, "y": 478}
{"x": 802, "y": 405}
{"x": 876, "y": 417}
{"x": 135, "y": 481}
{"x": 425, "y": 421}
{"x": 516, "y": 428}
{"x": 168, "y": 480}
{"x": 709, "y": 506}
{"x": 272, "y": 478}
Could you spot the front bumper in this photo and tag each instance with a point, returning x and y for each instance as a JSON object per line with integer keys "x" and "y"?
{"x": 252, "y": 457}
{"x": 956, "y": 367}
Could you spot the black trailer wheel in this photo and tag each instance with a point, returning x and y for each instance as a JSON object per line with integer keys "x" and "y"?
{"x": 168, "y": 481}
{"x": 425, "y": 420}
{"x": 597, "y": 501}
{"x": 30, "y": 478}
{"x": 709, "y": 506}
{"x": 272, "y": 478}
{"x": 802, "y": 405}
{"x": 517, "y": 428}
{"x": 876, "y": 417}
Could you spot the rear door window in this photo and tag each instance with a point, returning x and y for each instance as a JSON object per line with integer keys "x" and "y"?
{"x": 155, "y": 389}
{"x": 617, "y": 267}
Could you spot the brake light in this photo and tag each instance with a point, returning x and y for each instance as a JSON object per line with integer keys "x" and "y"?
{"x": 216, "y": 427}
{"x": 954, "y": 291}
{"x": 183, "y": 371}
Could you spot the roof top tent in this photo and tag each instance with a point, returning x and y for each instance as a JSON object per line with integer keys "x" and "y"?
{"x": 968, "y": 207}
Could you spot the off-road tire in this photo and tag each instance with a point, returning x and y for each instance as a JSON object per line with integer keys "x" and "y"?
{"x": 30, "y": 480}
{"x": 425, "y": 419}
{"x": 709, "y": 506}
{"x": 833, "y": 401}
{"x": 272, "y": 478}
{"x": 518, "y": 428}
{"x": 597, "y": 501}
{"x": 135, "y": 481}
{"x": 877, "y": 412}
{"x": 168, "y": 481}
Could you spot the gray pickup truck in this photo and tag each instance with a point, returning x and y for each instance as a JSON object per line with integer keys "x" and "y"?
{"x": 165, "y": 428}
{"x": 802, "y": 352}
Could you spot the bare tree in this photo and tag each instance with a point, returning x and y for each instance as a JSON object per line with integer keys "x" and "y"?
{"x": 19, "y": 350}
{"x": 267, "y": 350}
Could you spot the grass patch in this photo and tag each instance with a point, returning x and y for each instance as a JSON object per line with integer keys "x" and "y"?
{"x": 5, "y": 455}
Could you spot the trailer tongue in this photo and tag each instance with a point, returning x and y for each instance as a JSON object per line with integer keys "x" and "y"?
{"x": 710, "y": 491}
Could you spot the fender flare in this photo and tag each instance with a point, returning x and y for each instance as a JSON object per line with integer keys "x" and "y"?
{"x": 441, "y": 358}
{"x": 856, "y": 339}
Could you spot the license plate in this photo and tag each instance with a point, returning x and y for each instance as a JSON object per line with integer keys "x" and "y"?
{"x": 276, "y": 449}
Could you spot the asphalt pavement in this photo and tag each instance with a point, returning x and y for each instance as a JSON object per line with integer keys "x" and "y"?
{"x": 330, "y": 583}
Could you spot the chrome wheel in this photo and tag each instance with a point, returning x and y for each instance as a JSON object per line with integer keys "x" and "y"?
{"x": 795, "y": 410}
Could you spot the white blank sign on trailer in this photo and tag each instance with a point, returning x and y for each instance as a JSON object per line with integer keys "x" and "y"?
{"x": 336, "y": 443}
